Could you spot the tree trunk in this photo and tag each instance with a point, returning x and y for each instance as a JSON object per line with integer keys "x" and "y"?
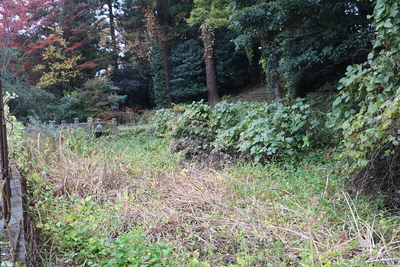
{"x": 163, "y": 23}
{"x": 273, "y": 80}
{"x": 212, "y": 92}
{"x": 112, "y": 33}
{"x": 167, "y": 68}
{"x": 277, "y": 91}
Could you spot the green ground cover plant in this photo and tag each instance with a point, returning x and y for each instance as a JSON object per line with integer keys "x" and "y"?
{"x": 132, "y": 201}
{"x": 259, "y": 131}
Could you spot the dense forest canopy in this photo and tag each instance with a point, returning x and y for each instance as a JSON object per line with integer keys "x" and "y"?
{"x": 158, "y": 52}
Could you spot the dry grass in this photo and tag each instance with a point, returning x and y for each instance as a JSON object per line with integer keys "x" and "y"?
{"x": 220, "y": 215}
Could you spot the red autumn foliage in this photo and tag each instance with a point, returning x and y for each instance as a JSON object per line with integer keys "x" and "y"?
{"x": 20, "y": 20}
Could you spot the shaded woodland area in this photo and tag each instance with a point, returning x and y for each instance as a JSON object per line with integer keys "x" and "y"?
{"x": 79, "y": 57}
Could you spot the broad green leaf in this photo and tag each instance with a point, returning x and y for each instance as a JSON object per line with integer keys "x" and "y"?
{"x": 372, "y": 107}
{"x": 388, "y": 23}
{"x": 394, "y": 10}
{"x": 380, "y": 4}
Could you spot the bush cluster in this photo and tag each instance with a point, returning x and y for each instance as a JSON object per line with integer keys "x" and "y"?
{"x": 93, "y": 99}
{"x": 258, "y": 130}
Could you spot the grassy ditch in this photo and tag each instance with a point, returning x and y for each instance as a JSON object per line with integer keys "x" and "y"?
{"x": 131, "y": 201}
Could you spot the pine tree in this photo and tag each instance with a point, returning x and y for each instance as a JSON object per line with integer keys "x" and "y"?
{"x": 160, "y": 89}
{"x": 188, "y": 81}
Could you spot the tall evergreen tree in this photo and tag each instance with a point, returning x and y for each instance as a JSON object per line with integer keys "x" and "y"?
{"x": 232, "y": 66}
{"x": 151, "y": 26}
{"x": 188, "y": 81}
{"x": 108, "y": 12}
{"x": 160, "y": 90}
{"x": 210, "y": 14}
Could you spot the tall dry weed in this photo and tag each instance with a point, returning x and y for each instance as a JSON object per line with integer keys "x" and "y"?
{"x": 222, "y": 218}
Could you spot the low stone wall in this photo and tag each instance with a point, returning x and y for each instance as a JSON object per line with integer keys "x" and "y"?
{"x": 12, "y": 233}
{"x": 97, "y": 126}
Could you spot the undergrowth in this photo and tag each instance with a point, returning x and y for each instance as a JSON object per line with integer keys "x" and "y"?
{"x": 256, "y": 131}
{"x": 131, "y": 201}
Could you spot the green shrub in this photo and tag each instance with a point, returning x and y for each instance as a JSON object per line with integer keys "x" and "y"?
{"x": 275, "y": 129}
{"x": 226, "y": 121}
{"x": 92, "y": 100}
{"x": 163, "y": 122}
{"x": 15, "y": 129}
{"x": 134, "y": 249}
{"x": 194, "y": 122}
{"x": 30, "y": 101}
{"x": 258, "y": 130}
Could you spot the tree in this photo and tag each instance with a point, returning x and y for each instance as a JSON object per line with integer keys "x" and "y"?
{"x": 187, "y": 64}
{"x": 134, "y": 75}
{"x": 79, "y": 30}
{"x": 150, "y": 26}
{"x": 20, "y": 22}
{"x": 135, "y": 36}
{"x": 232, "y": 66}
{"x": 188, "y": 81}
{"x": 159, "y": 63}
{"x": 90, "y": 100}
{"x": 81, "y": 26}
{"x": 55, "y": 67}
{"x": 135, "y": 83}
{"x": 304, "y": 44}
{"x": 54, "y": 44}
{"x": 160, "y": 89}
{"x": 21, "y": 18}
{"x": 210, "y": 14}
{"x": 108, "y": 22}
{"x": 31, "y": 102}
